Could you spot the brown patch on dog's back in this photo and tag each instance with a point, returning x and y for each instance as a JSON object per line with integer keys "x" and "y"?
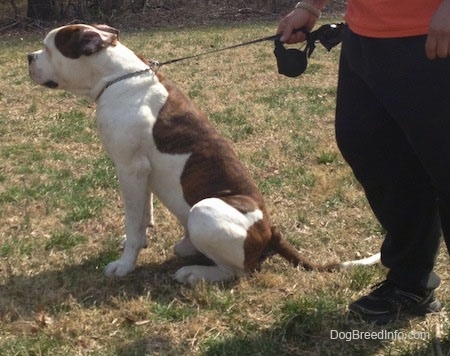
{"x": 213, "y": 169}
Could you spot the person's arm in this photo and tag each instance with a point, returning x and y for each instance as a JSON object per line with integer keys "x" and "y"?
{"x": 305, "y": 14}
{"x": 438, "y": 40}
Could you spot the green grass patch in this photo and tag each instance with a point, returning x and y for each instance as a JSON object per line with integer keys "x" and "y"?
{"x": 73, "y": 126}
{"x": 64, "y": 240}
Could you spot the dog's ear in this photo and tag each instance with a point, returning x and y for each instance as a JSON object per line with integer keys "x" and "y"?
{"x": 106, "y": 28}
{"x": 75, "y": 41}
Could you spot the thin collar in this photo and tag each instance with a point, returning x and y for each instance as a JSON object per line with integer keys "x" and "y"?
{"x": 123, "y": 77}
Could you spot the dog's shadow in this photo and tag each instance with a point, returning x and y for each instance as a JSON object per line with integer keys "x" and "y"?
{"x": 21, "y": 296}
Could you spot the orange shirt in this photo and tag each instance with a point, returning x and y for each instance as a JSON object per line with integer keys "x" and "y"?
{"x": 390, "y": 18}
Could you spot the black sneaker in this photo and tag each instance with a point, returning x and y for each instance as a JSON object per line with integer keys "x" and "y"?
{"x": 386, "y": 302}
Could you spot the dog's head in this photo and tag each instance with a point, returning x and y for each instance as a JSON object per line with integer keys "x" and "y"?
{"x": 72, "y": 56}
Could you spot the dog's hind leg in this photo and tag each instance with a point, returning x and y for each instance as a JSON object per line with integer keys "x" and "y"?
{"x": 219, "y": 231}
{"x": 133, "y": 180}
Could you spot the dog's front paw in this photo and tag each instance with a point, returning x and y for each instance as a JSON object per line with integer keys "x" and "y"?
{"x": 118, "y": 268}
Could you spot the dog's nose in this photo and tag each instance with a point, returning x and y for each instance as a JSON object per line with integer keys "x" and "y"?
{"x": 31, "y": 57}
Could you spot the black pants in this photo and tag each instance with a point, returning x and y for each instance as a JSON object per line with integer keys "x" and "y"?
{"x": 393, "y": 128}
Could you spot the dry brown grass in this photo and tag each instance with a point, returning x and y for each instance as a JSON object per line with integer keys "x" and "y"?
{"x": 61, "y": 217}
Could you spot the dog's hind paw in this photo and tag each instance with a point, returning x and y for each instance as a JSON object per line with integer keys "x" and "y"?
{"x": 194, "y": 274}
{"x": 118, "y": 268}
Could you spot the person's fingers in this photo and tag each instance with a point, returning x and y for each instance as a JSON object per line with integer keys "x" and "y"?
{"x": 437, "y": 46}
{"x": 286, "y": 31}
{"x": 431, "y": 47}
{"x": 443, "y": 47}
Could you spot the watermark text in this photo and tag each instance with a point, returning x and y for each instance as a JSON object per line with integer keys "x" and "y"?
{"x": 378, "y": 335}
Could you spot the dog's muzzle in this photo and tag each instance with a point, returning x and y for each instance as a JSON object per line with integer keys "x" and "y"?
{"x": 49, "y": 83}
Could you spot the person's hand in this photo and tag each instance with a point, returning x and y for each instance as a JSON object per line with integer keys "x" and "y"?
{"x": 295, "y": 19}
{"x": 438, "y": 40}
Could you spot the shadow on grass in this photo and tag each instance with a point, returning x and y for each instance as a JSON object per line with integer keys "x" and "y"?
{"x": 86, "y": 285}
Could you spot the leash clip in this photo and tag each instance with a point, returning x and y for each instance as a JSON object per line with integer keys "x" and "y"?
{"x": 154, "y": 65}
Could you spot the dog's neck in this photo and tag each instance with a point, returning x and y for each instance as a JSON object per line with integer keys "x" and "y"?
{"x": 119, "y": 63}
{"x": 118, "y": 79}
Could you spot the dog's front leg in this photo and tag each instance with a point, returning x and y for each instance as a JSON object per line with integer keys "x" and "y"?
{"x": 133, "y": 180}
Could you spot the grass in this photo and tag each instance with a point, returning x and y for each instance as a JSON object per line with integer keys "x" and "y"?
{"x": 61, "y": 218}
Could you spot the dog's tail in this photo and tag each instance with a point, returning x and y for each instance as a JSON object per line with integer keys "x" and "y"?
{"x": 281, "y": 246}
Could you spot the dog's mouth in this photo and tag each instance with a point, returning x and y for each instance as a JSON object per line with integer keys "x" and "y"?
{"x": 51, "y": 84}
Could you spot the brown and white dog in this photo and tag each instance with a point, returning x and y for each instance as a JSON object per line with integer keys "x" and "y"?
{"x": 161, "y": 143}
